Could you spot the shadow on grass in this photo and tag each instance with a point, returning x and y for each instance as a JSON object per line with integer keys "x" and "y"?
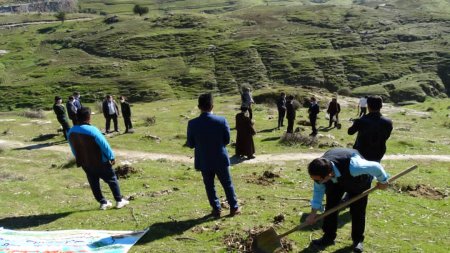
{"x": 269, "y": 130}
{"x": 276, "y": 138}
{"x": 324, "y": 129}
{"x": 314, "y": 249}
{"x": 342, "y": 220}
{"x": 44, "y": 137}
{"x": 30, "y": 221}
{"x": 161, "y": 230}
{"x": 236, "y": 160}
{"x": 40, "y": 145}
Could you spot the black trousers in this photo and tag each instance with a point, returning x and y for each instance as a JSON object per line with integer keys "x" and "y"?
{"x": 65, "y": 125}
{"x": 363, "y": 111}
{"x": 313, "y": 120}
{"x": 357, "y": 210}
{"x": 290, "y": 127}
{"x": 127, "y": 122}
{"x": 106, "y": 173}
{"x": 331, "y": 119}
{"x": 281, "y": 114}
{"x": 108, "y": 122}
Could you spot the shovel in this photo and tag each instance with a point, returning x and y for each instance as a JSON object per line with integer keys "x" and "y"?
{"x": 268, "y": 241}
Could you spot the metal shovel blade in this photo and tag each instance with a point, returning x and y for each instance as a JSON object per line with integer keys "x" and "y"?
{"x": 267, "y": 241}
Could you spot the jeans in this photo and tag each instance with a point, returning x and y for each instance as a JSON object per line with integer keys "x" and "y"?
{"x": 106, "y": 174}
{"x": 224, "y": 177}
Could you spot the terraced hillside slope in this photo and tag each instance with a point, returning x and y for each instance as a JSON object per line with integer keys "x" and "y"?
{"x": 397, "y": 49}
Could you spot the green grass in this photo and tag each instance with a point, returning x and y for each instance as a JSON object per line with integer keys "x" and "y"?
{"x": 41, "y": 195}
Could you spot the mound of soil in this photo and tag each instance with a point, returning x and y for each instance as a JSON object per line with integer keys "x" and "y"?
{"x": 278, "y": 219}
{"x": 267, "y": 178}
{"x": 422, "y": 190}
{"x": 237, "y": 242}
{"x": 125, "y": 171}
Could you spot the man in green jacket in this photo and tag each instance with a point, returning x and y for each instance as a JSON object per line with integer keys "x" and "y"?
{"x": 60, "y": 112}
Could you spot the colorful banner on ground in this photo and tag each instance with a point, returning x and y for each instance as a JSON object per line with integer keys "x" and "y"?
{"x": 67, "y": 241}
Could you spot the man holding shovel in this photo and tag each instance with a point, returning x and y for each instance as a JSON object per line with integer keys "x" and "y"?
{"x": 342, "y": 170}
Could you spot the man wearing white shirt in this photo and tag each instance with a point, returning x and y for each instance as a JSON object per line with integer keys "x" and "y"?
{"x": 110, "y": 111}
{"x": 362, "y": 106}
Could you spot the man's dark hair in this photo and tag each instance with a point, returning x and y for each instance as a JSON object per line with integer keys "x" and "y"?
{"x": 71, "y": 98}
{"x": 76, "y": 93}
{"x": 205, "y": 101}
{"x": 108, "y": 96}
{"x": 244, "y": 108}
{"x": 320, "y": 167}
{"x": 283, "y": 94}
{"x": 84, "y": 114}
{"x": 375, "y": 103}
{"x": 313, "y": 99}
{"x": 290, "y": 97}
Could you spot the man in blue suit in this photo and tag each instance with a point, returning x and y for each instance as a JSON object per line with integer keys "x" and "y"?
{"x": 209, "y": 134}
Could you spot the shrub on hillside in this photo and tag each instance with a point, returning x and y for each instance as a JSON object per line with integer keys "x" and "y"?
{"x": 34, "y": 114}
{"x": 408, "y": 93}
{"x": 141, "y": 10}
{"x": 111, "y": 20}
{"x": 344, "y": 91}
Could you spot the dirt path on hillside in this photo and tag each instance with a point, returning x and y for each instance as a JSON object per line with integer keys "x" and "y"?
{"x": 130, "y": 156}
{"x": 8, "y": 26}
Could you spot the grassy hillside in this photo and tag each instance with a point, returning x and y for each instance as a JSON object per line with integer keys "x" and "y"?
{"x": 43, "y": 190}
{"x": 398, "y": 50}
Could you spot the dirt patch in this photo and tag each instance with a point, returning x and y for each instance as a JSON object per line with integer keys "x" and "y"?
{"x": 11, "y": 177}
{"x": 267, "y": 178}
{"x": 278, "y": 218}
{"x": 290, "y": 139}
{"x": 125, "y": 171}
{"x": 421, "y": 190}
{"x": 237, "y": 242}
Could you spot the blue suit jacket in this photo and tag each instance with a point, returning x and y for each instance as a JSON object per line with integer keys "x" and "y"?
{"x": 209, "y": 134}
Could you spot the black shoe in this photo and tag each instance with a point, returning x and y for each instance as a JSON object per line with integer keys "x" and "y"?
{"x": 216, "y": 213}
{"x": 358, "y": 247}
{"x": 322, "y": 242}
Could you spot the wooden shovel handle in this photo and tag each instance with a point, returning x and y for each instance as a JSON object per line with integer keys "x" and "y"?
{"x": 348, "y": 202}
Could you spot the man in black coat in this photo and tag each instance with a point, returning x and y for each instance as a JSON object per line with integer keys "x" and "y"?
{"x": 60, "y": 112}
{"x": 126, "y": 114}
{"x": 313, "y": 111}
{"x": 334, "y": 108}
{"x": 110, "y": 111}
{"x": 373, "y": 131}
{"x": 290, "y": 113}
{"x": 342, "y": 170}
{"x": 281, "y": 106}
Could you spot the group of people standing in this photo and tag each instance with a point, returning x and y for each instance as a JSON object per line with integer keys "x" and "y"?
{"x": 286, "y": 107}
{"x": 110, "y": 111}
